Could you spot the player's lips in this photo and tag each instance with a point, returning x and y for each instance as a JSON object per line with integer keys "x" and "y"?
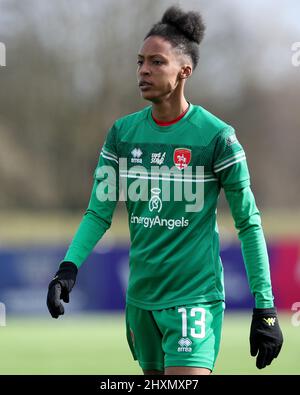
{"x": 144, "y": 85}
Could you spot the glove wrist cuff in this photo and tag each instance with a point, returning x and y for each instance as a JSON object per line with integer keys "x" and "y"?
{"x": 270, "y": 310}
{"x": 65, "y": 276}
{"x": 70, "y": 266}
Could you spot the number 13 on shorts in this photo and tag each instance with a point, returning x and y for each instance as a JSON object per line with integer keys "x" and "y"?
{"x": 198, "y": 330}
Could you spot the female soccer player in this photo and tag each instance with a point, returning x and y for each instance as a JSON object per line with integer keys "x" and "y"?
{"x": 175, "y": 295}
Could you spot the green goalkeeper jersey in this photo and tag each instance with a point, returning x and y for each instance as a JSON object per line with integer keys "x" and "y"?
{"x": 170, "y": 178}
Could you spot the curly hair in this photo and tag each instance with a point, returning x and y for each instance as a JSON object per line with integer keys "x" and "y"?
{"x": 184, "y": 30}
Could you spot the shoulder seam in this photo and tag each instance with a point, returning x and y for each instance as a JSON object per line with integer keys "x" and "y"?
{"x": 134, "y": 114}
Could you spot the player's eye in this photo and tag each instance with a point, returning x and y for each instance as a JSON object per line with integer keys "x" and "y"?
{"x": 157, "y": 62}
{"x": 139, "y": 62}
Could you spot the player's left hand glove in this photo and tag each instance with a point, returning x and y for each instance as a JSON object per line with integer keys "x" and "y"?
{"x": 60, "y": 287}
{"x": 265, "y": 336}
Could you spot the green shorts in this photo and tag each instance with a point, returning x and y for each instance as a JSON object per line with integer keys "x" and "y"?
{"x": 187, "y": 335}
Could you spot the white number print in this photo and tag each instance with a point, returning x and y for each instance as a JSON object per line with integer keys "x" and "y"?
{"x": 200, "y": 333}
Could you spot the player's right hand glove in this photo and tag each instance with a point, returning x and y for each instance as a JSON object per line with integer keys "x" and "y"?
{"x": 265, "y": 336}
{"x": 60, "y": 287}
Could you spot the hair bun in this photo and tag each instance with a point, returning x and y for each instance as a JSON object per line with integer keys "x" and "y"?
{"x": 190, "y": 23}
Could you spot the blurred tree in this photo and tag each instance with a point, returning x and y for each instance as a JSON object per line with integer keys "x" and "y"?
{"x": 71, "y": 72}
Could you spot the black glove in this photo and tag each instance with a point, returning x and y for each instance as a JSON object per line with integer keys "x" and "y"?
{"x": 265, "y": 336}
{"x": 60, "y": 287}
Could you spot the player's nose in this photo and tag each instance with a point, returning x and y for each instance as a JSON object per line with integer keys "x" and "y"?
{"x": 144, "y": 70}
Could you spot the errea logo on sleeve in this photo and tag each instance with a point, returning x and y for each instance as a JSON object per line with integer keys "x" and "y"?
{"x": 231, "y": 140}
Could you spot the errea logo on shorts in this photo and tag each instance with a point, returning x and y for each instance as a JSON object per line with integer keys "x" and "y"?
{"x": 184, "y": 344}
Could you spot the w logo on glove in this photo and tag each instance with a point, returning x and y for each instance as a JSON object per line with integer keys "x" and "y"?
{"x": 270, "y": 321}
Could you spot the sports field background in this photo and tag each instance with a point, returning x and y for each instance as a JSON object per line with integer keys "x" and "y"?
{"x": 97, "y": 345}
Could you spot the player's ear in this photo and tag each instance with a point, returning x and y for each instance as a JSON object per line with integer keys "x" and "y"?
{"x": 185, "y": 72}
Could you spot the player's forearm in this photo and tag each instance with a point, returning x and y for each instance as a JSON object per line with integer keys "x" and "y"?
{"x": 89, "y": 232}
{"x": 94, "y": 224}
{"x": 248, "y": 223}
{"x": 256, "y": 260}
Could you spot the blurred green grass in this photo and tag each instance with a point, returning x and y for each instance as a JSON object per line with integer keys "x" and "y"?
{"x": 97, "y": 345}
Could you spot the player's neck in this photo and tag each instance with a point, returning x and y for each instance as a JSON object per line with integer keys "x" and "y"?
{"x": 168, "y": 110}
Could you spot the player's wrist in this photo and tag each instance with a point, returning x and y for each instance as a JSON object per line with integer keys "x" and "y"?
{"x": 67, "y": 274}
{"x": 263, "y": 302}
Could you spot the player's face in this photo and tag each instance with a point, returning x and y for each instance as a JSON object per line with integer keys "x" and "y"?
{"x": 159, "y": 67}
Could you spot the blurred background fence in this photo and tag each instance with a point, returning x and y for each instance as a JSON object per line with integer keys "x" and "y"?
{"x": 24, "y": 277}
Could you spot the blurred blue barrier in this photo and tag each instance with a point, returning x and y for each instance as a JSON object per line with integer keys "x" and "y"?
{"x": 26, "y": 272}
{"x": 102, "y": 280}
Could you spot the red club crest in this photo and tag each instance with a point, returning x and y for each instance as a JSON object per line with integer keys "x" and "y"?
{"x": 182, "y": 157}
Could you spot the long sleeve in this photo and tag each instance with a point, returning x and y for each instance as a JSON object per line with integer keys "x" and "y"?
{"x": 248, "y": 224}
{"x": 231, "y": 168}
{"x": 104, "y": 196}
